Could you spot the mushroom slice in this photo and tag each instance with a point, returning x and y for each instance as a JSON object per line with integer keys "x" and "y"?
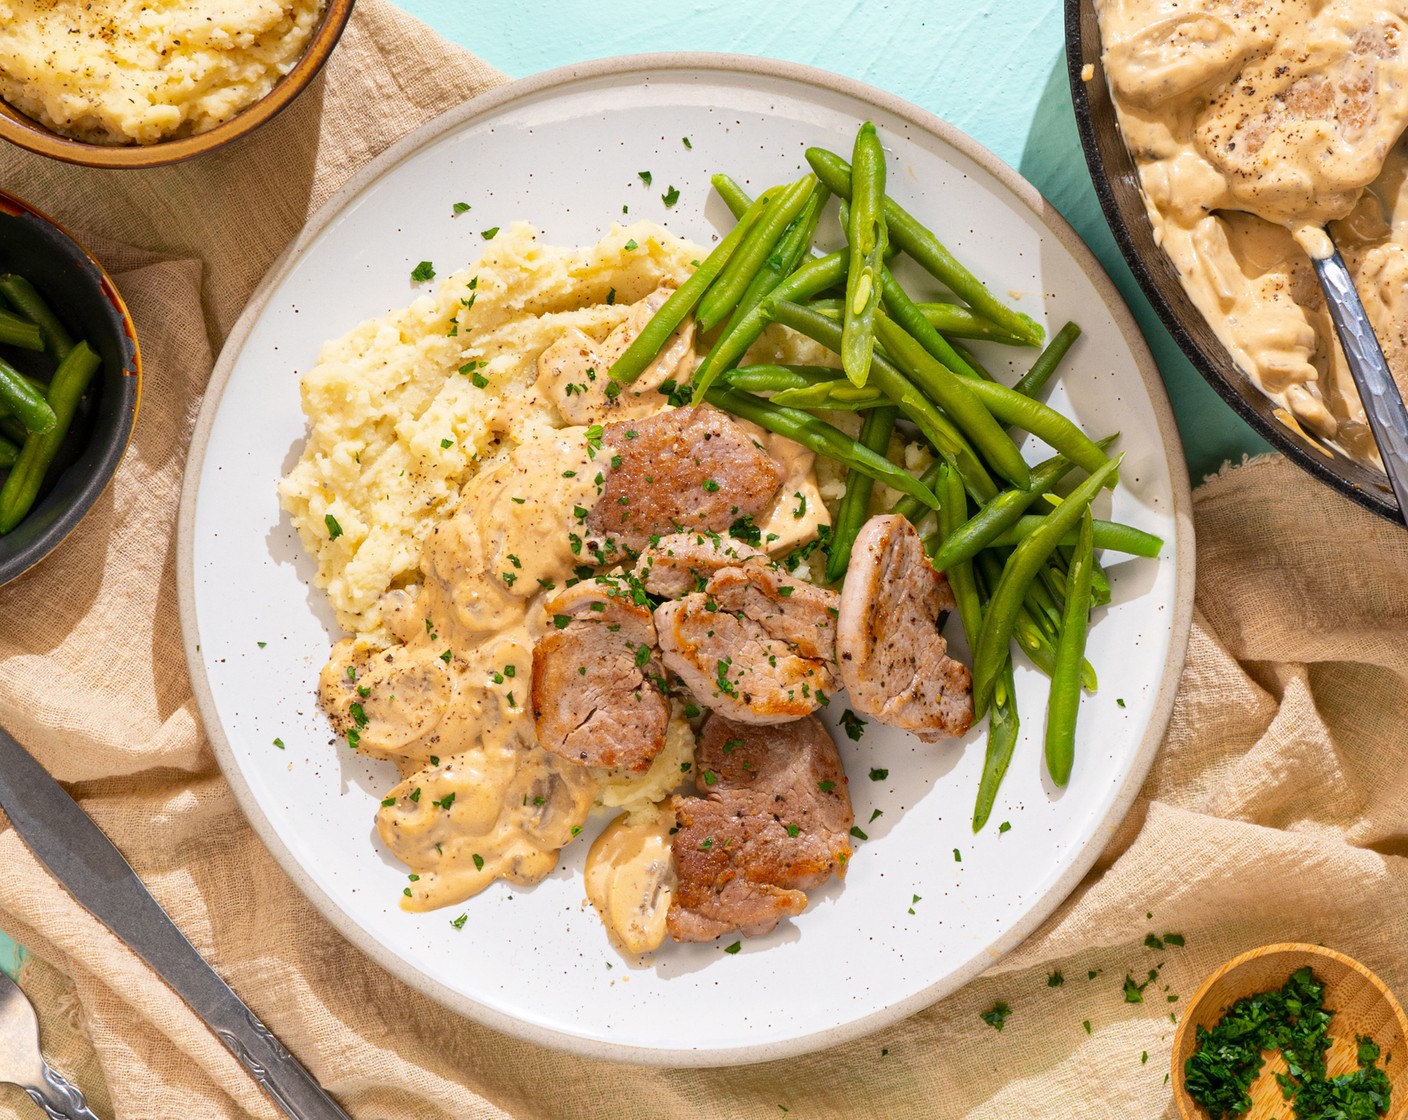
{"x": 755, "y": 644}
{"x": 597, "y": 697}
{"x": 890, "y": 654}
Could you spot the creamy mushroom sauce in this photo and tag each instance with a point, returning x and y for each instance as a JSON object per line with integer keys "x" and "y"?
{"x": 449, "y": 701}
{"x": 1228, "y": 107}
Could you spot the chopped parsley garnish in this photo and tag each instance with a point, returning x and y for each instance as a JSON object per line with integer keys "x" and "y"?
{"x": 561, "y": 620}
{"x": 1005, "y": 826}
{"x": 1120, "y": 701}
{"x": 801, "y": 510}
{"x": 853, "y": 725}
{"x": 710, "y": 777}
{"x": 731, "y": 949}
{"x": 280, "y": 744}
{"x": 1174, "y": 939}
{"x": 671, "y": 196}
{"x": 261, "y": 645}
{"x": 447, "y": 443}
{"x": 445, "y": 802}
{"x": 478, "y": 862}
{"x": 478, "y": 380}
{"x": 423, "y": 272}
{"x": 631, "y": 246}
{"x": 878, "y": 774}
{"x": 710, "y": 486}
{"x": 460, "y": 207}
{"x": 792, "y": 829}
{"x": 826, "y": 787}
{"x": 857, "y": 833}
{"x": 1086, "y": 1024}
{"x": 642, "y": 655}
{"x": 957, "y": 856}
{"x": 334, "y": 529}
{"x": 415, "y": 794}
{"x": 685, "y": 140}
{"x": 1055, "y": 979}
{"x": 387, "y": 802}
{"x": 490, "y": 233}
{"x": 1153, "y": 942}
{"x": 459, "y": 922}
{"x": 645, "y": 177}
{"x": 875, "y": 814}
{"x": 1294, "y": 1020}
{"x": 1134, "y": 992}
{"x": 594, "y": 435}
{"x": 996, "y": 1015}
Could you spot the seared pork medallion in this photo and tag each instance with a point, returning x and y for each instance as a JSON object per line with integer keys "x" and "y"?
{"x": 687, "y": 468}
{"x": 756, "y": 645}
{"x": 772, "y": 821}
{"x": 597, "y": 695}
{"x": 683, "y": 562}
{"x": 891, "y": 656}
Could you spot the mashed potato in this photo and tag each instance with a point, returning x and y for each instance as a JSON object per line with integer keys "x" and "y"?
{"x": 130, "y": 71}
{"x": 457, "y": 365}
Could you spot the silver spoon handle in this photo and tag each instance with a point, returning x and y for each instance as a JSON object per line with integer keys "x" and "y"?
{"x": 59, "y": 1099}
{"x": 1383, "y": 404}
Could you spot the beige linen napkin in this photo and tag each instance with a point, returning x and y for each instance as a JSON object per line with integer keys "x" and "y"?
{"x": 1277, "y": 809}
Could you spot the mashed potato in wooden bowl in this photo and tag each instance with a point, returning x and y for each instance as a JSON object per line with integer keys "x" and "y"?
{"x": 122, "y": 72}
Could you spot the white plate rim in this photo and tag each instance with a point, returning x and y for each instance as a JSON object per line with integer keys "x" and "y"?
{"x": 647, "y": 65}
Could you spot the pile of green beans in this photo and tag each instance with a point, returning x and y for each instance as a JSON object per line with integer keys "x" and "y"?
{"x": 36, "y": 409}
{"x": 1020, "y": 560}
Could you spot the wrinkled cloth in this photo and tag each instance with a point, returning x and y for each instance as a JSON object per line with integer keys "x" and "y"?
{"x": 1275, "y": 810}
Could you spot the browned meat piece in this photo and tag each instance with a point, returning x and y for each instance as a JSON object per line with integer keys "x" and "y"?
{"x": 756, "y": 645}
{"x": 683, "y": 562}
{"x": 892, "y": 658}
{"x": 686, "y": 468}
{"x": 613, "y": 714}
{"x": 773, "y": 822}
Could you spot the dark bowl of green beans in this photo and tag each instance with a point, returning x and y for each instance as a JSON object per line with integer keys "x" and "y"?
{"x": 70, "y": 378}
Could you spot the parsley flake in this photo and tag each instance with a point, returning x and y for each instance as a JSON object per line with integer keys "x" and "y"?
{"x": 423, "y": 272}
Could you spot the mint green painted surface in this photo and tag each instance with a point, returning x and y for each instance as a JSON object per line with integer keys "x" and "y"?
{"x": 996, "y": 70}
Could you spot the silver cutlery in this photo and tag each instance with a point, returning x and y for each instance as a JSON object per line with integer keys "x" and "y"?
{"x": 1383, "y": 405}
{"x": 64, "y": 838}
{"x": 22, "y": 1064}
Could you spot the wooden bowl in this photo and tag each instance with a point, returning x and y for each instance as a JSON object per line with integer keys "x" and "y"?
{"x": 29, "y": 133}
{"x": 1362, "y": 1005}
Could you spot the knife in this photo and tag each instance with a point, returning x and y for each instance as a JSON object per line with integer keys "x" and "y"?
{"x": 66, "y": 841}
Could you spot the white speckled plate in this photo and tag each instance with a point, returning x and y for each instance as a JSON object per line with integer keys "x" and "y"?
{"x": 913, "y": 921}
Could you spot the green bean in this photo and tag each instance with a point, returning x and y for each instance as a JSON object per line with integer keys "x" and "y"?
{"x": 821, "y": 437}
{"x": 865, "y": 234}
{"x": 956, "y": 321}
{"x": 971, "y": 361}
{"x": 875, "y": 434}
{"x": 20, "y": 295}
{"x": 906, "y": 313}
{"x": 907, "y": 507}
{"x": 835, "y": 396}
{"x": 1013, "y": 409}
{"x": 1034, "y": 634}
{"x": 1063, "y": 705}
{"x": 843, "y": 211}
{"x": 16, "y": 330}
{"x": 1111, "y": 535}
{"x": 791, "y": 248}
{"x": 1001, "y": 513}
{"x": 663, "y": 324}
{"x": 1035, "y": 379}
{"x": 9, "y": 454}
{"x": 937, "y": 428}
{"x": 1099, "y": 585}
{"x": 735, "y": 197}
{"x": 22, "y": 401}
{"x": 66, "y": 389}
{"x": 954, "y": 395}
{"x": 1003, "y": 722}
{"x": 775, "y": 378}
{"x": 1019, "y": 571}
{"x": 813, "y": 277}
{"x": 921, "y": 244}
{"x": 784, "y": 203}
{"x": 12, "y": 429}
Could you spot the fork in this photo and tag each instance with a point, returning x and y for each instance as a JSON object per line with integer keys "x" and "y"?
{"x": 22, "y": 1064}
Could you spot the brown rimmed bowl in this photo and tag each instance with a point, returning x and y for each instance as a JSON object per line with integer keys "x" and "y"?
{"x": 29, "y": 133}
{"x": 1116, "y": 180}
{"x": 85, "y": 298}
{"x": 1362, "y": 1006}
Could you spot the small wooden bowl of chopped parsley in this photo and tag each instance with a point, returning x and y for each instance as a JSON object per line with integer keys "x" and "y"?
{"x": 1292, "y": 1031}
